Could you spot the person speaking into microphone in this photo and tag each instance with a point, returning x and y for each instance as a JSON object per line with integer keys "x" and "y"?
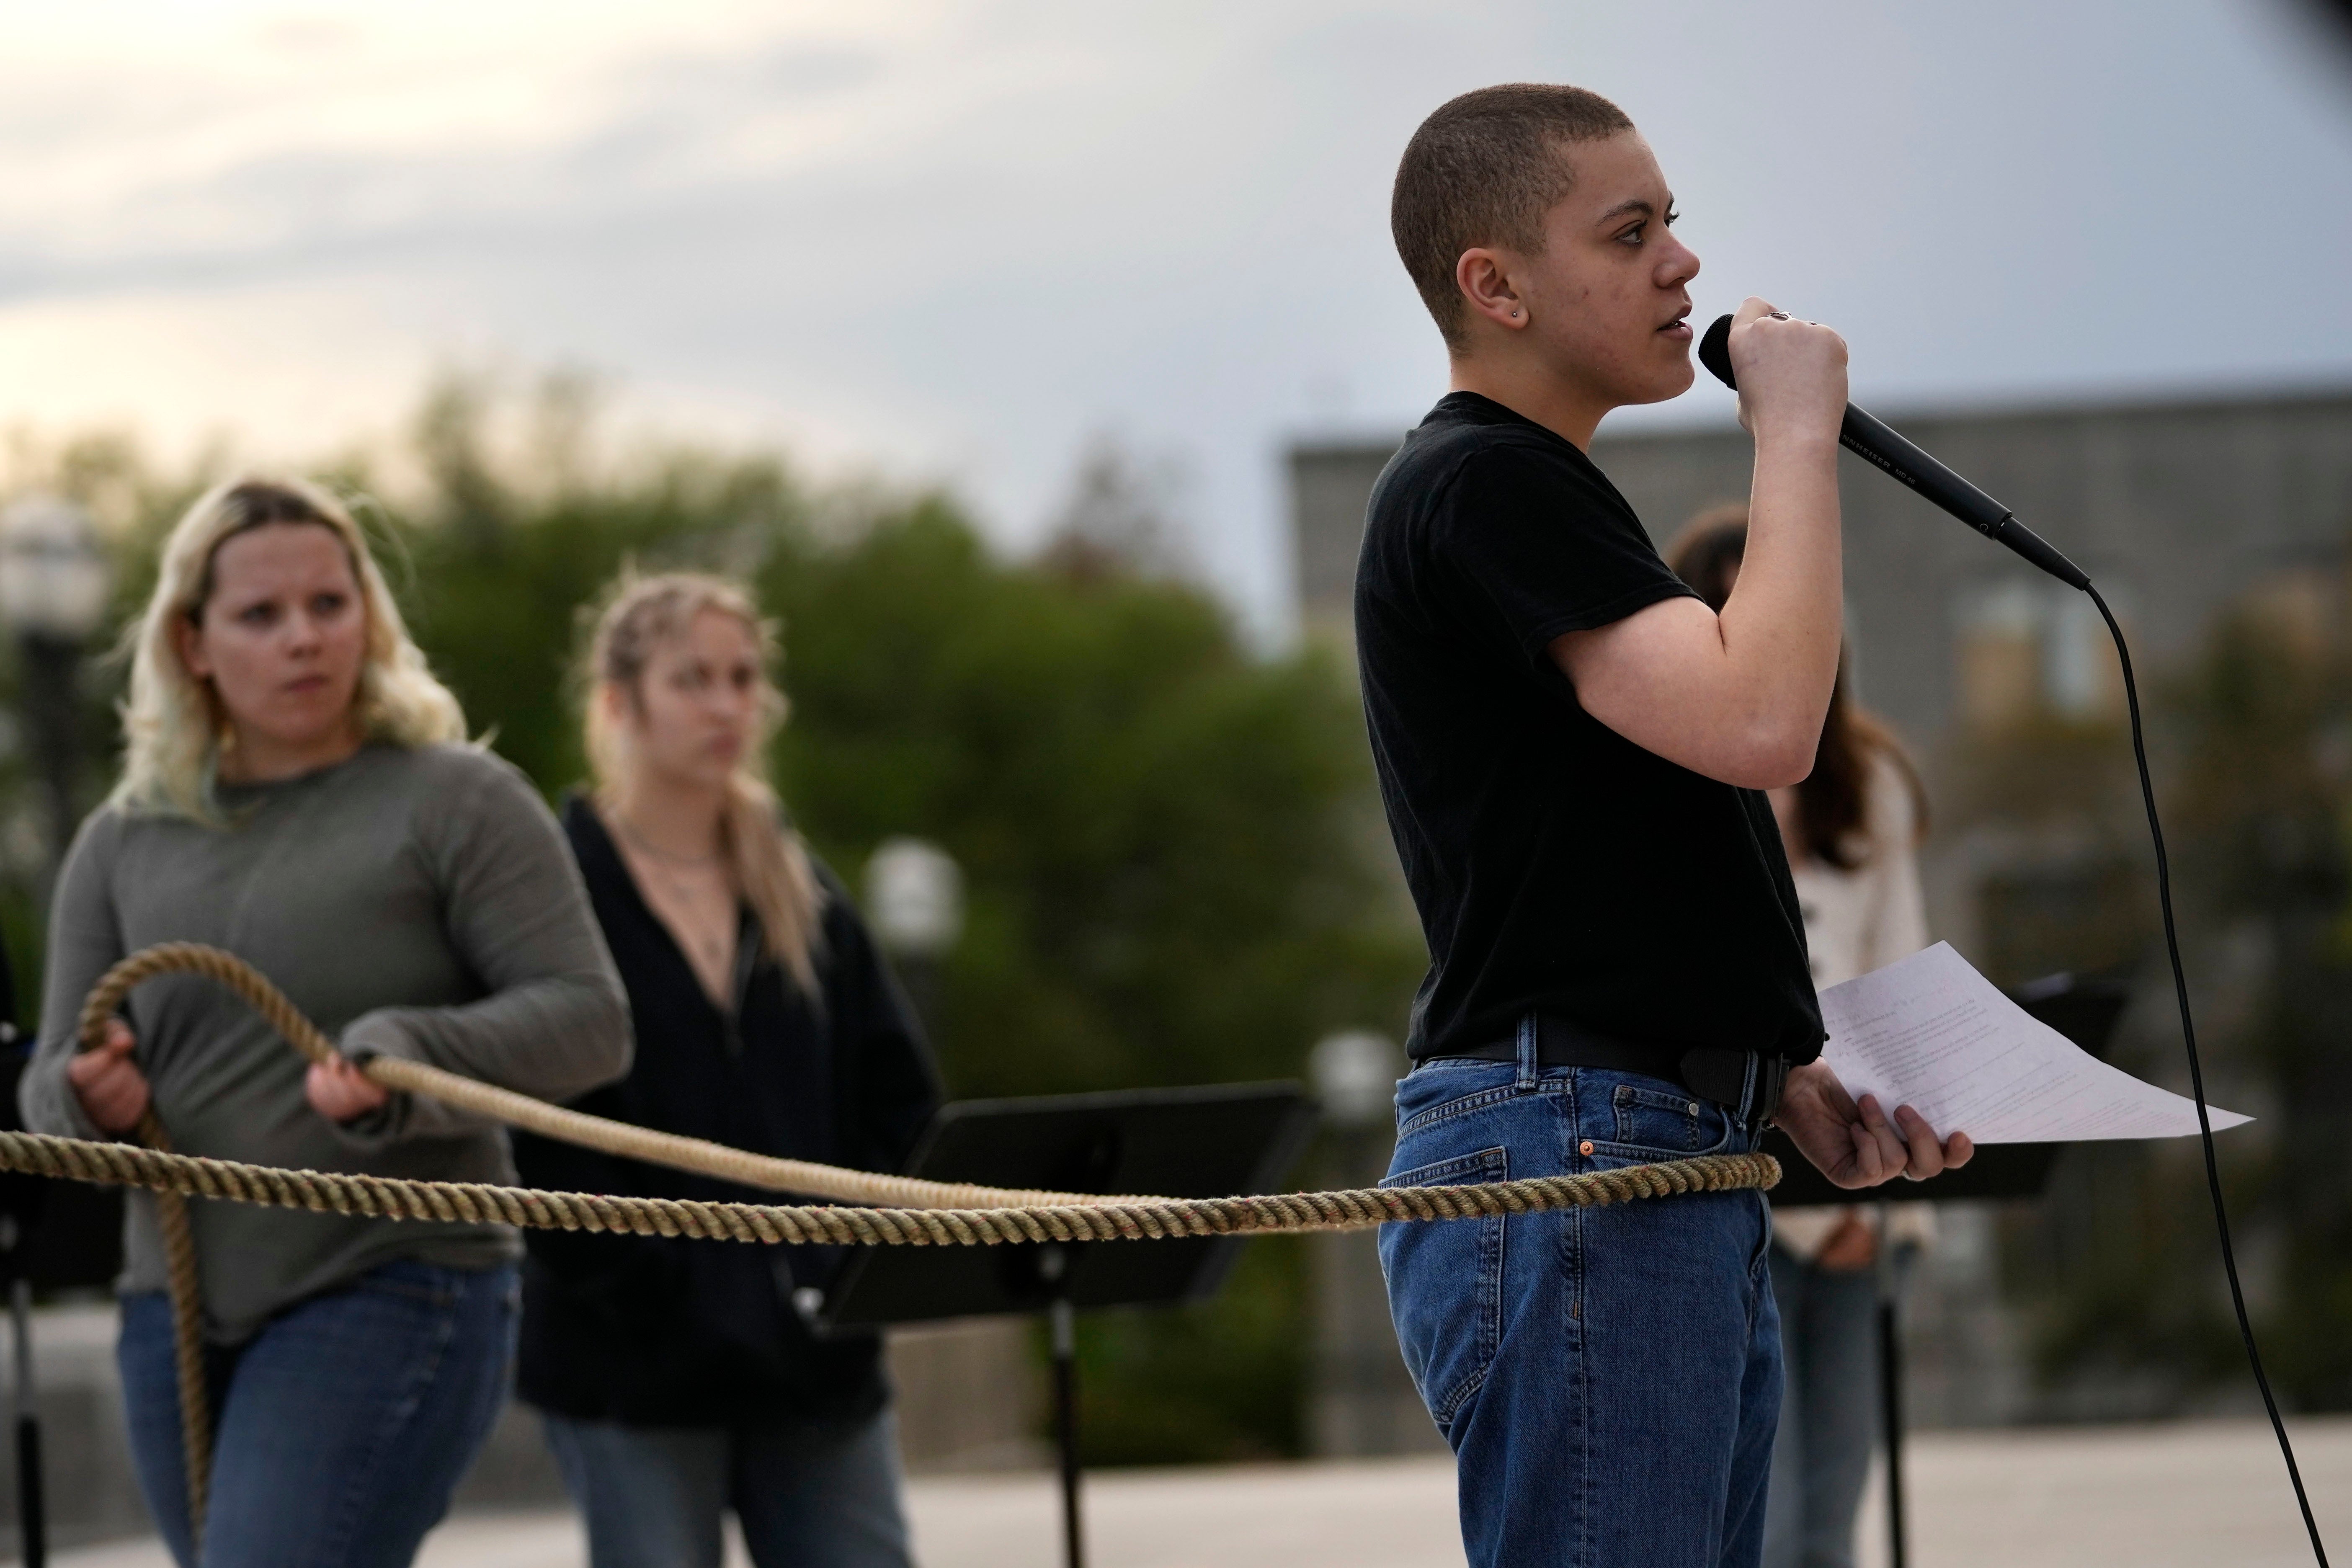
{"x": 1573, "y": 750}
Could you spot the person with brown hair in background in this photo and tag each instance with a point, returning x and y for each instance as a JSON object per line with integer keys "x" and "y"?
{"x": 1851, "y": 830}
{"x": 679, "y": 1378}
{"x": 297, "y": 789}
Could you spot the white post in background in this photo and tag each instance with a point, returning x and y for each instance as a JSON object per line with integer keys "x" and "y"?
{"x": 914, "y": 896}
{"x": 969, "y": 1394}
{"x": 1363, "y": 1400}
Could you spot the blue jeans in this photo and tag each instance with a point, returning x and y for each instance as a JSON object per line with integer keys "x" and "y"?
{"x": 339, "y": 1430}
{"x": 1828, "y": 1418}
{"x": 1608, "y": 1378}
{"x": 809, "y": 1494}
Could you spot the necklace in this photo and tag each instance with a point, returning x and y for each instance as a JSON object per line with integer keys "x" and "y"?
{"x": 695, "y": 922}
{"x": 639, "y": 841}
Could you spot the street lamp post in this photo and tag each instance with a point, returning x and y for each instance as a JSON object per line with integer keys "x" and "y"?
{"x": 54, "y": 586}
{"x": 53, "y": 593}
{"x": 1364, "y": 1403}
{"x": 914, "y": 895}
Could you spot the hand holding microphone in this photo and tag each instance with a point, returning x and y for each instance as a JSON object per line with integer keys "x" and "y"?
{"x": 1871, "y": 439}
{"x": 1792, "y": 374}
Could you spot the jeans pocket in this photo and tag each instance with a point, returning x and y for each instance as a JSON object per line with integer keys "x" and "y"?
{"x": 1446, "y": 1287}
{"x": 1663, "y": 1124}
{"x": 1442, "y": 1090}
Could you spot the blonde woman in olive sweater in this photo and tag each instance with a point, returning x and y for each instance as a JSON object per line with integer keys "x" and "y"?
{"x": 297, "y": 789}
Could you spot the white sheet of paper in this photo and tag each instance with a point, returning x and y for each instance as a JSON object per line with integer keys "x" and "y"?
{"x": 1929, "y": 1032}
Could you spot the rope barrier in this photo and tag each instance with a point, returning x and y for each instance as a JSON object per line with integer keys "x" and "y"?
{"x": 1124, "y": 1219}
{"x": 870, "y": 1210}
{"x": 488, "y": 1100}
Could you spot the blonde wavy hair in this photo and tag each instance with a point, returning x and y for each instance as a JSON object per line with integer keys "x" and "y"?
{"x": 173, "y": 723}
{"x": 637, "y": 616}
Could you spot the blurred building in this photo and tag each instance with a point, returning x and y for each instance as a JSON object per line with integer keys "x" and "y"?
{"x": 2178, "y": 509}
{"x": 2175, "y": 508}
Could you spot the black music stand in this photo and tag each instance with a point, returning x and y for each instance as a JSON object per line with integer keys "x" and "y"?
{"x": 54, "y": 1235}
{"x": 1175, "y": 1143}
{"x": 2083, "y": 1010}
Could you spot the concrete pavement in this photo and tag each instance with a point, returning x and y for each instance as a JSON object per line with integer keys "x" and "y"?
{"x": 2153, "y": 1497}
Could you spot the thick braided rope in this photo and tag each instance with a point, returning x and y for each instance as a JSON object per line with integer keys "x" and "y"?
{"x": 645, "y": 1144}
{"x": 187, "y": 1326}
{"x": 1121, "y": 1219}
{"x": 484, "y": 1099}
{"x": 918, "y": 1214}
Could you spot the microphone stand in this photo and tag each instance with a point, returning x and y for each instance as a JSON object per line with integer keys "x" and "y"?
{"x": 32, "y": 1513}
{"x": 22, "y": 1203}
{"x": 1890, "y": 1390}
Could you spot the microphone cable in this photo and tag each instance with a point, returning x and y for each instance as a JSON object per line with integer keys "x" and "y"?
{"x": 1904, "y": 461}
{"x": 1880, "y": 445}
{"x": 2197, "y": 1077}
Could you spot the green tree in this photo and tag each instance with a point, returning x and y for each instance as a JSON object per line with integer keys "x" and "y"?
{"x": 1156, "y": 826}
{"x": 1165, "y": 883}
{"x": 1160, "y": 830}
{"x": 2120, "y": 1268}
{"x": 2267, "y": 786}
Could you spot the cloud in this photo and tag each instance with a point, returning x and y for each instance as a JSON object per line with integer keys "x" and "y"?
{"x": 960, "y": 239}
{"x": 200, "y": 367}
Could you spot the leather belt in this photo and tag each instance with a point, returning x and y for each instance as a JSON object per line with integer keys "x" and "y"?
{"x": 1719, "y": 1073}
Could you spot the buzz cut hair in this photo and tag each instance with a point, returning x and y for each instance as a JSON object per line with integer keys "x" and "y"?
{"x": 1483, "y": 170}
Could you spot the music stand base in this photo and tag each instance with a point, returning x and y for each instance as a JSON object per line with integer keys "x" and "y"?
{"x": 1890, "y": 1393}
{"x": 32, "y": 1512}
{"x": 1064, "y": 1319}
{"x": 1198, "y": 1142}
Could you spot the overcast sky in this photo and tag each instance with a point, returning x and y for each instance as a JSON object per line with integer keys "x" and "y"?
{"x": 956, "y": 241}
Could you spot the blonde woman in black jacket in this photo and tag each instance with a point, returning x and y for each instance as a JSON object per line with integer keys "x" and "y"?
{"x": 677, "y": 1379}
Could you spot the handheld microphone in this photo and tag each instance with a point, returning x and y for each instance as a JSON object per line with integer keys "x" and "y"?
{"x": 1870, "y": 439}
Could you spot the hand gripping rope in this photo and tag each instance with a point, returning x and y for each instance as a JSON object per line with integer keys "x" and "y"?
{"x": 890, "y": 1211}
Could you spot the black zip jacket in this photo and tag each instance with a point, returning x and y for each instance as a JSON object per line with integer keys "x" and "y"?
{"x": 657, "y": 1332}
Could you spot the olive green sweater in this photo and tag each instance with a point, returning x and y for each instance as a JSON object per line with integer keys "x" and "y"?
{"x": 417, "y": 903}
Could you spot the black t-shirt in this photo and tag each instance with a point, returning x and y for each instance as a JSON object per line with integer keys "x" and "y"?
{"x": 1557, "y": 865}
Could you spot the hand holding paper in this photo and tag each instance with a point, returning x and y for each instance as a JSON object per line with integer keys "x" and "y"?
{"x": 1931, "y": 1033}
{"x": 1860, "y": 1145}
